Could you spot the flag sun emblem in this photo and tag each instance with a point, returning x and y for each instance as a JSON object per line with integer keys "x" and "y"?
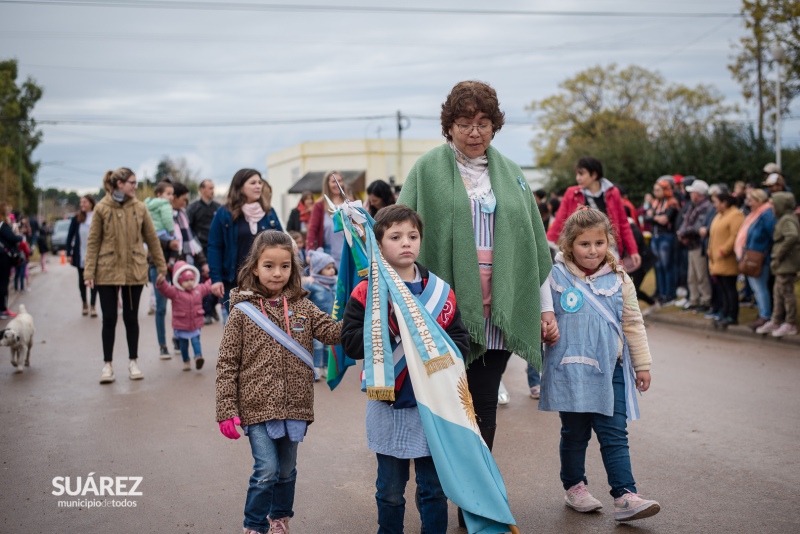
{"x": 466, "y": 399}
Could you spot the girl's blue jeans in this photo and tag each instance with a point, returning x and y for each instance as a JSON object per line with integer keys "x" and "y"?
{"x": 184, "y": 344}
{"x": 611, "y": 432}
{"x": 161, "y": 310}
{"x": 271, "y": 491}
{"x": 662, "y": 245}
{"x": 760, "y": 287}
{"x": 391, "y": 485}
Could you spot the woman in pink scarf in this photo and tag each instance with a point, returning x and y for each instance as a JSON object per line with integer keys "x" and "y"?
{"x": 234, "y": 228}
{"x": 756, "y": 234}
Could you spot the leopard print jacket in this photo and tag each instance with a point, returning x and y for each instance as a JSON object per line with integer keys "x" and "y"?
{"x": 258, "y": 379}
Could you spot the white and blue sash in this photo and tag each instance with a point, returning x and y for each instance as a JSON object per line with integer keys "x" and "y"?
{"x": 276, "y": 333}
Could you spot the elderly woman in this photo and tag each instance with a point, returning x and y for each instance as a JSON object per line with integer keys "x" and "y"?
{"x": 484, "y": 236}
{"x": 234, "y": 228}
{"x": 755, "y": 235}
{"x": 116, "y": 263}
{"x": 320, "y": 227}
{"x": 722, "y": 264}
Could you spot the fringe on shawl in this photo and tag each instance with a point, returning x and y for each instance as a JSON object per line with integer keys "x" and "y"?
{"x": 439, "y": 363}
{"x": 380, "y": 393}
{"x": 530, "y": 353}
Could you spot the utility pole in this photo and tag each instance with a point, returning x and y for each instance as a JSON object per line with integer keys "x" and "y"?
{"x": 779, "y": 55}
{"x": 403, "y": 123}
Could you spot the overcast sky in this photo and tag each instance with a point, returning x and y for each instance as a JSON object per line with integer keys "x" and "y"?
{"x": 195, "y": 67}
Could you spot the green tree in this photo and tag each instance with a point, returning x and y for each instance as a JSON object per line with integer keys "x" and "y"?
{"x": 18, "y": 137}
{"x": 768, "y": 22}
{"x": 600, "y": 100}
{"x": 178, "y": 170}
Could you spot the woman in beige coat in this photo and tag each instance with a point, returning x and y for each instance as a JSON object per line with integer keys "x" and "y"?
{"x": 722, "y": 262}
{"x": 116, "y": 262}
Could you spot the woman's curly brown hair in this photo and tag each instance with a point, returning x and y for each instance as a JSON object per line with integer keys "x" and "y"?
{"x": 467, "y": 99}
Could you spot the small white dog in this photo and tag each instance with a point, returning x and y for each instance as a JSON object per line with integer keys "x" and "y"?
{"x": 18, "y": 335}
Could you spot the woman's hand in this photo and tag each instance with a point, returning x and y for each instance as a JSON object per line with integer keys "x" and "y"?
{"x": 174, "y": 245}
{"x": 160, "y": 279}
{"x": 642, "y": 380}
{"x": 636, "y": 259}
{"x": 89, "y": 283}
{"x": 702, "y": 232}
{"x": 550, "y": 334}
{"x": 661, "y": 219}
{"x": 218, "y": 289}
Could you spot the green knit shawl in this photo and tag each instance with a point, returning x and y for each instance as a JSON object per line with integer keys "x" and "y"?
{"x": 434, "y": 189}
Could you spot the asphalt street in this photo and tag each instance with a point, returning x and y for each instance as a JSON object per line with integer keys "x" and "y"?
{"x": 716, "y": 446}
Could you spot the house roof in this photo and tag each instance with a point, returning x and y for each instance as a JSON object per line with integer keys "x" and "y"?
{"x": 312, "y": 181}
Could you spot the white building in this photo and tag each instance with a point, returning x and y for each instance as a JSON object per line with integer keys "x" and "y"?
{"x": 362, "y": 161}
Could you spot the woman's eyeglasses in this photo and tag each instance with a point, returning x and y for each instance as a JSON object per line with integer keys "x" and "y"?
{"x": 466, "y": 129}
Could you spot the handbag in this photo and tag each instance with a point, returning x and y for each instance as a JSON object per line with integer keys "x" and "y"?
{"x": 752, "y": 263}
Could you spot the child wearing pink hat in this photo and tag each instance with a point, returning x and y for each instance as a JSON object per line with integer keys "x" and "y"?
{"x": 187, "y": 309}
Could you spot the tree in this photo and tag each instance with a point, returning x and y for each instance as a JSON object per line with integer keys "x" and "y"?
{"x": 18, "y": 137}
{"x": 600, "y": 100}
{"x": 177, "y": 170}
{"x": 768, "y": 22}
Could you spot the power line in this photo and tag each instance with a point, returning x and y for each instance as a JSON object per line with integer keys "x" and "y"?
{"x": 221, "y": 124}
{"x": 251, "y": 6}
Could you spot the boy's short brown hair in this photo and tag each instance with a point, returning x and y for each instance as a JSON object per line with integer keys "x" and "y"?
{"x": 395, "y": 214}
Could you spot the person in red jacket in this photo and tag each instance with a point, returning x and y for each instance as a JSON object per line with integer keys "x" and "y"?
{"x": 597, "y": 192}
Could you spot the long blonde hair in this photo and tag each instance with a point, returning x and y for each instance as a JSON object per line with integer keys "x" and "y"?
{"x": 583, "y": 219}
{"x": 247, "y": 279}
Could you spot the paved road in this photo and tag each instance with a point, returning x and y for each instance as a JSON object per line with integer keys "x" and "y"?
{"x": 717, "y": 445}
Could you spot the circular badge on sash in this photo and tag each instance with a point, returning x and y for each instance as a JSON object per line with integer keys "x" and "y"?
{"x": 571, "y": 300}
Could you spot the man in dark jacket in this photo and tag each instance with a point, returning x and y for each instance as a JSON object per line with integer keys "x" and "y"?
{"x": 201, "y": 213}
{"x": 689, "y": 235}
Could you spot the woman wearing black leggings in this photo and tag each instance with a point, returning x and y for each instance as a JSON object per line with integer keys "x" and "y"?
{"x": 116, "y": 263}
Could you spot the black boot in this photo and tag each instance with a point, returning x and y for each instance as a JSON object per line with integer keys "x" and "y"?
{"x": 487, "y": 433}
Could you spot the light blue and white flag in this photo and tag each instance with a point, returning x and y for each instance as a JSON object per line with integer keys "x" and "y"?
{"x": 466, "y": 468}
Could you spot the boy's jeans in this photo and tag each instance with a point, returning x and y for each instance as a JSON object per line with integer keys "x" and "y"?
{"x": 576, "y": 430}
{"x": 391, "y": 485}
{"x": 534, "y": 378}
{"x": 271, "y": 491}
{"x": 161, "y": 310}
{"x": 184, "y": 344}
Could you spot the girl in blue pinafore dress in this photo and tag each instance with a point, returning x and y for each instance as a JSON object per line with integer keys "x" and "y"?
{"x": 590, "y": 376}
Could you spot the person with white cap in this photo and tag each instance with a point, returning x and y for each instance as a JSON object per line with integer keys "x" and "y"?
{"x": 689, "y": 234}
{"x": 774, "y": 183}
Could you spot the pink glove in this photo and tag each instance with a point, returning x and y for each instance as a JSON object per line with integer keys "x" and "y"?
{"x": 228, "y": 428}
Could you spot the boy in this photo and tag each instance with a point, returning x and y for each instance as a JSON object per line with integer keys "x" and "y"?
{"x": 394, "y": 430}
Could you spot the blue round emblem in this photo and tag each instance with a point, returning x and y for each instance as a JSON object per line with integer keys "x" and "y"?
{"x": 571, "y": 300}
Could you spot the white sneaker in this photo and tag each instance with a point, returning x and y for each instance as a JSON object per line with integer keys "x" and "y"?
{"x": 187, "y": 366}
{"x": 579, "y": 499}
{"x": 502, "y": 395}
{"x": 651, "y": 309}
{"x": 107, "y": 374}
{"x": 680, "y": 303}
{"x": 134, "y": 373}
{"x": 766, "y": 328}
{"x": 785, "y": 329}
{"x": 318, "y": 373}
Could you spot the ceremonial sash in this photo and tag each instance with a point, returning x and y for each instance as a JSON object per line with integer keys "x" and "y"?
{"x": 433, "y": 298}
{"x": 276, "y": 333}
{"x": 631, "y": 403}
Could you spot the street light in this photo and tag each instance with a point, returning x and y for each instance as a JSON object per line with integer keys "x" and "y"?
{"x": 778, "y": 55}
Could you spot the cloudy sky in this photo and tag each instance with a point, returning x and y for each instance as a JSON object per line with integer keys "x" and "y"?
{"x": 225, "y": 84}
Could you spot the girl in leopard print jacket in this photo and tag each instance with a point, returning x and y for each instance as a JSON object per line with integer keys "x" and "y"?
{"x": 264, "y": 387}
